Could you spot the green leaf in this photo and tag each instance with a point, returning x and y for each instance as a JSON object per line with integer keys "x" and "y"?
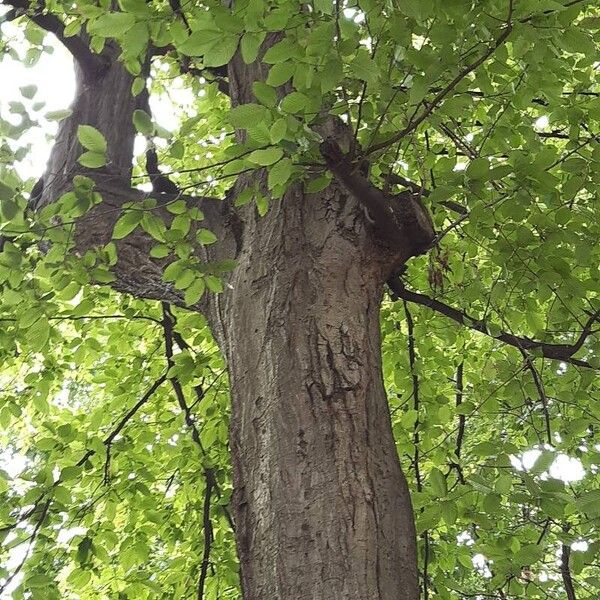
{"x": 543, "y": 462}
{"x": 478, "y": 168}
{"x": 294, "y": 103}
{"x": 91, "y": 139}
{"x": 93, "y": 160}
{"x": 221, "y": 52}
{"x": 247, "y": 115}
{"x": 214, "y": 284}
{"x": 284, "y": 50}
{"x": 250, "y": 45}
{"x": 126, "y": 223}
{"x": 194, "y": 292}
{"x": 29, "y": 91}
{"x": 363, "y": 67}
{"x": 58, "y": 115}
{"x": 318, "y": 184}
{"x": 265, "y": 157}
{"x": 134, "y": 6}
{"x": 205, "y": 237}
{"x": 439, "y": 487}
{"x": 280, "y": 73}
{"x": 264, "y": 93}
{"x": 7, "y": 192}
{"x": 278, "y": 130}
{"x": 280, "y": 173}
{"x": 143, "y": 122}
{"x": 111, "y": 24}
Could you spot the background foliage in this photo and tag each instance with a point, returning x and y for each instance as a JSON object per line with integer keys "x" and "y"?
{"x": 113, "y": 411}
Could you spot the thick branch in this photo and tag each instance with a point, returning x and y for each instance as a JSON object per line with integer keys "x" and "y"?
{"x": 396, "y": 220}
{"x": 563, "y": 352}
{"x": 91, "y": 64}
{"x": 395, "y": 179}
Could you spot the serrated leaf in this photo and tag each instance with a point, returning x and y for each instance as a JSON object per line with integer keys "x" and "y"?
{"x": 194, "y": 292}
{"x": 143, "y": 122}
{"x": 278, "y": 130}
{"x": 318, "y": 184}
{"x": 294, "y": 103}
{"x": 250, "y": 45}
{"x": 58, "y": 115}
{"x": 126, "y": 223}
{"x": 205, "y": 237}
{"x": 265, "y": 157}
{"x": 247, "y": 115}
{"x": 280, "y": 172}
{"x": 280, "y": 73}
{"x": 221, "y": 52}
{"x": 92, "y": 160}
{"x": 438, "y": 483}
{"x": 91, "y": 139}
{"x": 363, "y": 67}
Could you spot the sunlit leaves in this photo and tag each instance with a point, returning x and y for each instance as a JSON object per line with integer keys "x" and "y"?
{"x": 95, "y": 144}
{"x": 514, "y": 143}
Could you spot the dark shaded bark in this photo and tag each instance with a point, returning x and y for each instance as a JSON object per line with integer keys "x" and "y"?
{"x": 321, "y": 506}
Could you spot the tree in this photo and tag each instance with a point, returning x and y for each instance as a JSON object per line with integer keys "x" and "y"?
{"x": 385, "y": 215}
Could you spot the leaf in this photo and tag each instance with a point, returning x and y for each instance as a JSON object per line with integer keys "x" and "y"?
{"x": 134, "y": 6}
{"x": 214, "y": 284}
{"x": 126, "y": 223}
{"x": 543, "y": 462}
{"x": 478, "y": 168}
{"x": 205, "y": 237}
{"x": 143, "y": 122}
{"x": 294, "y": 103}
{"x": 280, "y": 73}
{"x": 7, "y": 192}
{"x": 58, "y": 115}
{"x": 318, "y": 184}
{"x": 244, "y": 197}
{"x": 265, "y": 157}
{"x": 324, "y": 6}
{"x": 194, "y": 292}
{"x": 28, "y": 91}
{"x": 280, "y": 173}
{"x": 264, "y": 93}
{"x": 93, "y": 160}
{"x": 247, "y": 115}
{"x": 278, "y": 130}
{"x": 250, "y": 45}
{"x": 91, "y": 139}
{"x": 438, "y": 483}
{"x": 111, "y": 24}
{"x": 221, "y": 52}
{"x": 363, "y": 67}
{"x": 284, "y": 50}
{"x": 589, "y": 503}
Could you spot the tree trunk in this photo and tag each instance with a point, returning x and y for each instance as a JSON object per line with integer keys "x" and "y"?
{"x": 321, "y": 506}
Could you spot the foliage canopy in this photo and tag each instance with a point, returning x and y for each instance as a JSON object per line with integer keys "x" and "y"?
{"x": 117, "y": 408}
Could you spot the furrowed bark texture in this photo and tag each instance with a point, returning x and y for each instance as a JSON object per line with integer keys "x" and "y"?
{"x": 321, "y": 506}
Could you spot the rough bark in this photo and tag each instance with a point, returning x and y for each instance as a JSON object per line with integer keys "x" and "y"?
{"x": 321, "y": 506}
